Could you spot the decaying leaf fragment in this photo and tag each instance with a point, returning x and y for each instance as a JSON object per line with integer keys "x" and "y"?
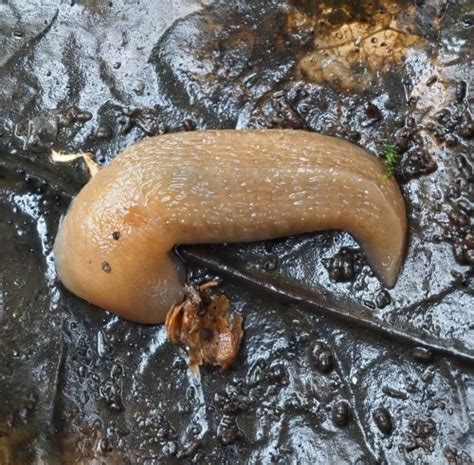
{"x": 91, "y": 165}
{"x": 206, "y": 327}
{"x": 351, "y": 53}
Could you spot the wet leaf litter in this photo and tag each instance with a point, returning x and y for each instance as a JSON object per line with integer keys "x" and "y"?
{"x": 115, "y": 391}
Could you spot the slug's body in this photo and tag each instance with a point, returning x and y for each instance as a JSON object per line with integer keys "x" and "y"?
{"x": 113, "y": 247}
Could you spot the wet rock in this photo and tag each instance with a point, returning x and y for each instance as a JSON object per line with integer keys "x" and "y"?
{"x": 456, "y": 188}
{"x": 383, "y": 420}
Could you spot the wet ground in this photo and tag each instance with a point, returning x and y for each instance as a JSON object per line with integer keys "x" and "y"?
{"x": 333, "y": 368}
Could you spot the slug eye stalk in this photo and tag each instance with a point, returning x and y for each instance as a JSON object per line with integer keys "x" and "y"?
{"x": 113, "y": 246}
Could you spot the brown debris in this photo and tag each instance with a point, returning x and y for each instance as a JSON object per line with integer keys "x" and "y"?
{"x": 354, "y": 51}
{"x": 205, "y": 326}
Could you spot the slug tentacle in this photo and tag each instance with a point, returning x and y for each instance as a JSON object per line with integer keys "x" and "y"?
{"x": 219, "y": 186}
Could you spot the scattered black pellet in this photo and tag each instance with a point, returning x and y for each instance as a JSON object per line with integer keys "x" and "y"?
{"x": 422, "y": 355}
{"x": 460, "y": 91}
{"x": 189, "y": 124}
{"x": 372, "y": 114}
{"x": 323, "y": 358}
{"x": 84, "y": 116}
{"x": 458, "y": 219}
{"x": 383, "y": 420}
{"x": 104, "y": 132}
{"x": 469, "y": 240}
{"x": 382, "y": 299}
{"x": 341, "y": 413}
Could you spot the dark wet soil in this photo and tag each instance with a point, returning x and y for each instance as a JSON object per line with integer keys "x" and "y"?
{"x": 333, "y": 368}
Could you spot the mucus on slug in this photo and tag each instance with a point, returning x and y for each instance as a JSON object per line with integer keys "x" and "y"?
{"x": 187, "y": 188}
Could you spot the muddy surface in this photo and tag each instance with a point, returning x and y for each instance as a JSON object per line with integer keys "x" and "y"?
{"x": 333, "y": 368}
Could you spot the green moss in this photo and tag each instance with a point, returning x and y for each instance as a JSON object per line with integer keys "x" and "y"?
{"x": 390, "y": 158}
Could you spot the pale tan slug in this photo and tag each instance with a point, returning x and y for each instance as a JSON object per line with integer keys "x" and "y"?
{"x": 114, "y": 245}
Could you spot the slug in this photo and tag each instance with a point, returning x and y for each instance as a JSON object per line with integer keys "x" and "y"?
{"x": 114, "y": 245}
